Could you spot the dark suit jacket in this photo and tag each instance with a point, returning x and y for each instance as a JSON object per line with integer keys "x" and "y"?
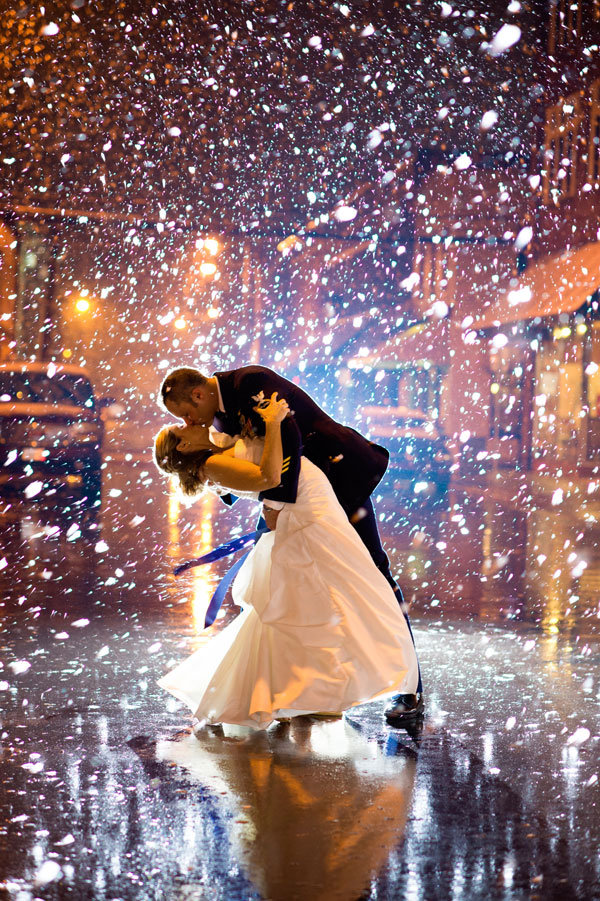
{"x": 353, "y": 465}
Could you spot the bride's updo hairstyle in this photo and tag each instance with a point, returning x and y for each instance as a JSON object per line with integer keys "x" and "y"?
{"x": 187, "y": 467}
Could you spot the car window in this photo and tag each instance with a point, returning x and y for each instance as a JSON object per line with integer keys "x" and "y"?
{"x": 37, "y": 387}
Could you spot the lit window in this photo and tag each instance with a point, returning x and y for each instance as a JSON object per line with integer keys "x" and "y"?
{"x": 431, "y": 264}
{"x": 562, "y": 134}
{"x": 565, "y": 24}
{"x": 594, "y": 141}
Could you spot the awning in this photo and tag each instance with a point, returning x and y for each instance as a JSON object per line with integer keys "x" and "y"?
{"x": 424, "y": 342}
{"x": 559, "y": 284}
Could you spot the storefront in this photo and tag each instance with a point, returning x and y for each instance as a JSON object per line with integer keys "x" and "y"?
{"x": 398, "y": 392}
{"x": 405, "y": 371}
{"x": 544, "y": 351}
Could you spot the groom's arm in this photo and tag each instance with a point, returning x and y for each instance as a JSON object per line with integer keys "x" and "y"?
{"x": 291, "y": 445}
{"x": 259, "y": 384}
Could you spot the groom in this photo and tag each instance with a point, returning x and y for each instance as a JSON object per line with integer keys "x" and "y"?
{"x": 353, "y": 465}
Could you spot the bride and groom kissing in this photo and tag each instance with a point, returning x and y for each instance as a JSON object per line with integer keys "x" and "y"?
{"x": 323, "y": 625}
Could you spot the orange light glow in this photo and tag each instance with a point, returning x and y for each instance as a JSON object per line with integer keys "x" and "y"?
{"x": 212, "y": 245}
{"x": 203, "y": 580}
{"x": 202, "y": 577}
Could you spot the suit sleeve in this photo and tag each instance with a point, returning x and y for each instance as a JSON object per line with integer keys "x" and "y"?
{"x": 291, "y": 443}
{"x": 250, "y": 389}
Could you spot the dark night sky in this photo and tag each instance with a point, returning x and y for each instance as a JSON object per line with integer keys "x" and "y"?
{"x": 226, "y": 112}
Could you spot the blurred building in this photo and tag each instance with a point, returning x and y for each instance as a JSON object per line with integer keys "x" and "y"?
{"x": 8, "y": 289}
{"x": 543, "y": 324}
{"x": 505, "y": 282}
{"x": 345, "y": 271}
{"x": 249, "y": 130}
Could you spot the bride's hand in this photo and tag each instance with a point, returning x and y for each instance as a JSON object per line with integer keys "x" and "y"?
{"x": 273, "y": 410}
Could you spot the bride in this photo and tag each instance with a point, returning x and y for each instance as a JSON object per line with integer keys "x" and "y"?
{"x": 320, "y": 629}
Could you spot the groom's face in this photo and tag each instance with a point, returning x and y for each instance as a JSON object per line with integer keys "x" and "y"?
{"x": 197, "y": 409}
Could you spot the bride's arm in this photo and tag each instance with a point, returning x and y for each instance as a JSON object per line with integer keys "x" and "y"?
{"x": 241, "y": 475}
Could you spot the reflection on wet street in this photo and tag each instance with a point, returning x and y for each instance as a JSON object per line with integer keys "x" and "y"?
{"x": 498, "y": 562}
{"x": 285, "y": 785}
{"x": 107, "y": 793}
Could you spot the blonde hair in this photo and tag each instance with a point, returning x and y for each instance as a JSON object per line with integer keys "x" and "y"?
{"x": 187, "y": 467}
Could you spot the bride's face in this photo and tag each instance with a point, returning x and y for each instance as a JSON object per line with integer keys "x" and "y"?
{"x": 192, "y": 438}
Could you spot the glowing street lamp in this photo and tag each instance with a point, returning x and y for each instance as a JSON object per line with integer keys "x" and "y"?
{"x": 209, "y": 244}
{"x": 212, "y": 245}
{"x": 292, "y": 242}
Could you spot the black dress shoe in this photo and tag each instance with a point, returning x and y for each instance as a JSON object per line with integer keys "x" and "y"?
{"x": 404, "y": 710}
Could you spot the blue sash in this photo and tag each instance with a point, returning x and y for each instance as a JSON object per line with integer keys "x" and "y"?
{"x": 224, "y": 550}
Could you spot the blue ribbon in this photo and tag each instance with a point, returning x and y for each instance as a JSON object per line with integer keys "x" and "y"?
{"x": 221, "y": 590}
{"x": 224, "y": 550}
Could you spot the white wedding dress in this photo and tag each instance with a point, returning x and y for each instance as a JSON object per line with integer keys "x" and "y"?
{"x": 320, "y": 630}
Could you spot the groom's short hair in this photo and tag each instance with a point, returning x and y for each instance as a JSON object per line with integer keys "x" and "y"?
{"x": 179, "y": 384}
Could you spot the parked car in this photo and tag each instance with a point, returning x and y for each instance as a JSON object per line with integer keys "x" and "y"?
{"x": 419, "y": 458}
{"x": 50, "y": 431}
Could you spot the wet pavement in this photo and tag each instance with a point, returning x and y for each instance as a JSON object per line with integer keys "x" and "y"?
{"x": 107, "y": 794}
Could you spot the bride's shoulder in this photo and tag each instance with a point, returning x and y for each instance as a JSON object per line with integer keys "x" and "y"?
{"x": 243, "y": 449}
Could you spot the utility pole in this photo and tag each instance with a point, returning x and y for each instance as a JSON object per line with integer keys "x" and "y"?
{"x": 257, "y": 305}
{"x": 35, "y": 299}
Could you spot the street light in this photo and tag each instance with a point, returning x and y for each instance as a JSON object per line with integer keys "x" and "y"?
{"x": 212, "y": 245}
{"x": 292, "y": 242}
{"x": 209, "y": 244}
